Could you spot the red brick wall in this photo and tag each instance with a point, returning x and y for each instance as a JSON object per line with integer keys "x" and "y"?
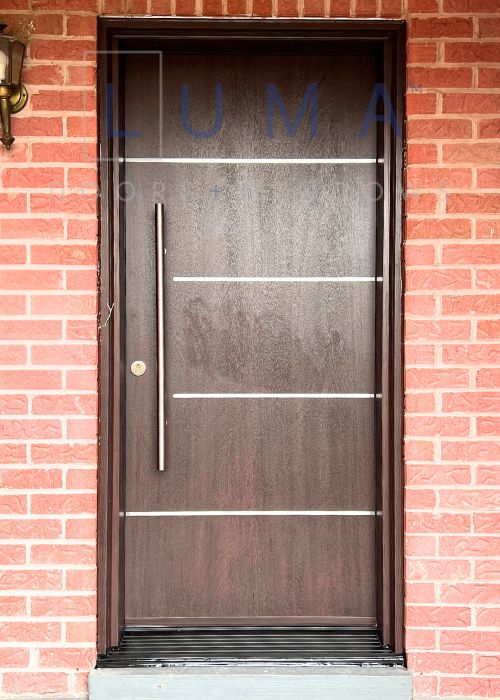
{"x": 48, "y": 348}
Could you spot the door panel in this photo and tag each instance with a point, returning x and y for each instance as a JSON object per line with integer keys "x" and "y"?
{"x": 320, "y": 453}
{"x": 203, "y": 539}
{"x": 248, "y": 567}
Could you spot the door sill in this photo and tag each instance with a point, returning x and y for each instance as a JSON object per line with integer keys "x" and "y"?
{"x": 142, "y": 647}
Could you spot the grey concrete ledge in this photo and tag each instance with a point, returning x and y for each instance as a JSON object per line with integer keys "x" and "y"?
{"x": 270, "y": 682}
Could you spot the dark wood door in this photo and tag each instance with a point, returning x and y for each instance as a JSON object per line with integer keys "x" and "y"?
{"x": 265, "y": 509}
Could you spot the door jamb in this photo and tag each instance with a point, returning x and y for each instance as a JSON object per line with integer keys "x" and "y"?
{"x": 110, "y": 545}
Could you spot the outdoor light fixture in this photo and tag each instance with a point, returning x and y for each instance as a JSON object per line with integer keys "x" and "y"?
{"x": 13, "y": 94}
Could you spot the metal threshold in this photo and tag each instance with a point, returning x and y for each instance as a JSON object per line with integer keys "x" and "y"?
{"x": 160, "y": 647}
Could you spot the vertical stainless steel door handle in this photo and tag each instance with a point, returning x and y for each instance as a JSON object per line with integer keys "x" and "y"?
{"x": 160, "y": 331}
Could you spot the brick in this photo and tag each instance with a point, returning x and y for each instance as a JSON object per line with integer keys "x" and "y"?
{"x": 436, "y": 378}
{"x": 31, "y": 228}
{"x": 419, "y": 450}
{"x": 11, "y": 305}
{"x": 81, "y": 579}
{"x": 438, "y": 279}
{"x": 30, "y": 379}
{"x": 440, "y": 77}
{"x": 63, "y": 254}
{"x": 33, "y": 178}
{"x": 286, "y": 8}
{"x": 81, "y": 478}
{"x": 62, "y": 202}
{"x": 471, "y": 304}
{"x": 67, "y": 304}
{"x": 82, "y": 554}
{"x": 419, "y": 355}
{"x": 421, "y": 153}
{"x": 81, "y": 330}
{"x": 440, "y": 662}
{"x": 421, "y": 52}
{"x": 81, "y": 75}
{"x": 482, "y": 254}
{"x": 37, "y": 126}
{"x": 429, "y": 178}
{"x": 30, "y": 279}
{"x": 260, "y": 8}
{"x": 489, "y": 77}
{"x": 488, "y": 6}
{"x": 420, "y": 545}
{"x": 64, "y": 354}
{"x": 430, "y": 28}
{"x": 366, "y": 8}
{"x": 79, "y": 380}
{"x": 12, "y": 254}
{"x": 30, "y": 529}
{"x": 434, "y": 425}
{"x": 470, "y": 686}
{"x": 488, "y": 128}
{"x": 426, "y": 616}
{"x": 30, "y": 478}
{"x": 81, "y": 279}
{"x": 487, "y": 664}
{"x": 483, "y": 499}
{"x": 239, "y": 7}
{"x": 12, "y": 605}
{"x": 63, "y": 606}
{"x": 474, "y": 203}
{"x": 63, "y": 503}
{"x": 438, "y": 523}
{"x": 81, "y": 25}
{"x": 12, "y": 554}
{"x": 489, "y": 27}
{"x": 419, "y": 255}
{"x": 312, "y": 8}
{"x": 419, "y": 403}
{"x": 42, "y": 75}
{"x": 471, "y": 354}
{"x": 13, "y": 404}
{"x": 63, "y": 454}
{"x": 488, "y": 330}
{"x": 472, "y": 402}
{"x": 439, "y": 128}
{"x": 436, "y": 330}
{"x": 487, "y": 474}
{"x": 439, "y": 570}
{"x": 35, "y": 682}
{"x": 81, "y": 529}
{"x": 488, "y": 378}
{"x": 423, "y": 6}
{"x": 440, "y": 475}
{"x": 421, "y": 203}
{"x": 471, "y": 153}
{"x": 81, "y": 632}
{"x": 30, "y": 429}
{"x": 83, "y": 152}
{"x": 473, "y": 103}
{"x": 470, "y": 593}
{"x": 84, "y": 230}
{"x": 63, "y": 49}
{"x": 13, "y": 354}
{"x": 438, "y": 228}
{"x": 487, "y": 451}
{"x": 420, "y": 498}
{"x": 12, "y": 657}
{"x": 488, "y": 177}
{"x": 12, "y": 453}
{"x": 486, "y": 522}
{"x": 472, "y": 52}
{"x": 63, "y": 404}
{"x": 30, "y": 330}
{"x": 488, "y": 426}
{"x": 29, "y": 580}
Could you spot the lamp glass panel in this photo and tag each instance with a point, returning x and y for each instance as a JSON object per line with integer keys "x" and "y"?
{"x": 4, "y": 60}
{"x": 16, "y": 62}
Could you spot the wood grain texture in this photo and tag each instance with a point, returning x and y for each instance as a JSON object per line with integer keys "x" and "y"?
{"x": 244, "y": 128}
{"x": 250, "y": 566}
{"x": 256, "y": 455}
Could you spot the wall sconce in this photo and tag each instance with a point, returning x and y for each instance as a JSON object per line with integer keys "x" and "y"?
{"x": 13, "y": 94}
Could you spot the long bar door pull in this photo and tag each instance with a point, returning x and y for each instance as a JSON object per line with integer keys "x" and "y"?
{"x": 160, "y": 330}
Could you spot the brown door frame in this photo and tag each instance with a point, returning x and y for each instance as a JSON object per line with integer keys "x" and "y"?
{"x": 114, "y": 33}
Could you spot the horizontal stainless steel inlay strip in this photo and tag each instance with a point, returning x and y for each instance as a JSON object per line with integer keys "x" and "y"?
{"x": 210, "y": 513}
{"x": 273, "y": 396}
{"x": 250, "y": 161}
{"x": 276, "y": 279}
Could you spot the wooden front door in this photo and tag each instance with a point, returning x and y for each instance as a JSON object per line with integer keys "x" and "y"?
{"x": 252, "y": 295}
